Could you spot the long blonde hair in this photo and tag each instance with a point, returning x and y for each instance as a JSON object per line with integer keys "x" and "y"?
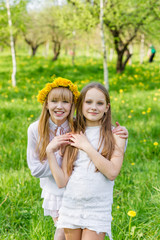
{"x": 62, "y": 94}
{"x": 106, "y": 137}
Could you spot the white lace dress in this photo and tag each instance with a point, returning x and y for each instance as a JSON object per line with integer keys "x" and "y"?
{"x": 87, "y": 200}
{"x": 51, "y": 194}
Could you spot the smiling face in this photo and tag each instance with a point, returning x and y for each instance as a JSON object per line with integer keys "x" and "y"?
{"x": 94, "y": 107}
{"x": 59, "y": 104}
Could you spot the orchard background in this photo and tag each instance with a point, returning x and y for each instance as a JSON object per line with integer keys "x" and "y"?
{"x": 71, "y": 48}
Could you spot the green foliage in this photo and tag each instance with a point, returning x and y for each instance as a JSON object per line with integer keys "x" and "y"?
{"x": 135, "y": 103}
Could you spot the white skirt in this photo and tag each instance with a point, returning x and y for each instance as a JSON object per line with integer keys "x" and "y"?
{"x": 51, "y": 204}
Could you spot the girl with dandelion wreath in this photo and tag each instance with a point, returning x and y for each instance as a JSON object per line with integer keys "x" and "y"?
{"x": 90, "y": 164}
{"x": 58, "y": 103}
{"x": 56, "y": 119}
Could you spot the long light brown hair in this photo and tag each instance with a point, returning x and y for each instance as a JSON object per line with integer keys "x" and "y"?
{"x": 106, "y": 139}
{"x": 62, "y": 94}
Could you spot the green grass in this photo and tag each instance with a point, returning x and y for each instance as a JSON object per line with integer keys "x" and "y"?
{"x": 135, "y": 103}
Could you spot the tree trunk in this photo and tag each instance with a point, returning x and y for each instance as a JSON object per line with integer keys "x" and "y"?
{"x": 73, "y": 53}
{"x": 34, "y": 50}
{"x": 105, "y": 68}
{"x": 120, "y": 64}
{"x": 74, "y": 47}
{"x": 111, "y": 52}
{"x": 142, "y": 49}
{"x": 56, "y": 50}
{"x": 12, "y": 45}
{"x": 46, "y": 49}
{"x": 131, "y": 52}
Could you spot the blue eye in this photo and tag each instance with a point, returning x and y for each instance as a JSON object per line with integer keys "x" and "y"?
{"x": 100, "y": 103}
{"x": 88, "y": 102}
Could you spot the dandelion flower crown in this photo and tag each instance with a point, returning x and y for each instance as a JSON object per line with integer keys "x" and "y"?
{"x": 58, "y": 82}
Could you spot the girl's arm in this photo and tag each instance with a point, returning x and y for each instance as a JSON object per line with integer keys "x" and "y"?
{"x": 122, "y": 132}
{"x": 60, "y": 174}
{"x": 110, "y": 168}
{"x": 38, "y": 169}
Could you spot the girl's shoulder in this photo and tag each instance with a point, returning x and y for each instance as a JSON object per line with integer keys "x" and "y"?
{"x": 33, "y": 127}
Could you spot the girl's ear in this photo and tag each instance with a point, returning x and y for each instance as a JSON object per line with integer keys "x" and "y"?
{"x": 47, "y": 105}
{"x": 107, "y": 107}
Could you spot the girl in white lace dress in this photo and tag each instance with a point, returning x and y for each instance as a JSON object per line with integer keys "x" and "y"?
{"x": 90, "y": 164}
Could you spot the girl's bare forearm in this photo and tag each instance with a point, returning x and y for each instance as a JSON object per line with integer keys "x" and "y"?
{"x": 56, "y": 170}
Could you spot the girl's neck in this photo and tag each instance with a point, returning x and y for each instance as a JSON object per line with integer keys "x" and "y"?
{"x": 58, "y": 124}
{"x": 92, "y": 124}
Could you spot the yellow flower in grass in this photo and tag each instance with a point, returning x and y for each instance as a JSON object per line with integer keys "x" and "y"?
{"x": 118, "y": 207}
{"x": 121, "y": 90}
{"x": 155, "y": 143}
{"x": 132, "y": 163}
{"x": 143, "y": 112}
{"x": 129, "y": 116}
{"x": 131, "y": 213}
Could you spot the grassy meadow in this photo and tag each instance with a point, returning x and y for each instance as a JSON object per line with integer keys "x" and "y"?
{"x": 135, "y": 104}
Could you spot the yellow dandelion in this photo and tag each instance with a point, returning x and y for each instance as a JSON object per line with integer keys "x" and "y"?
{"x": 121, "y": 90}
{"x": 155, "y": 99}
{"x": 31, "y": 115}
{"x": 118, "y": 207}
{"x": 25, "y": 99}
{"x": 115, "y": 99}
{"x": 132, "y": 111}
{"x": 12, "y": 100}
{"x": 129, "y": 116}
{"x": 122, "y": 101}
{"x": 29, "y": 119}
{"x": 131, "y": 213}
{"x": 143, "y": 112}
{"x": 155, "y": 143}
{"x": 132, "y": 163}
{"x": 144, "y": 140}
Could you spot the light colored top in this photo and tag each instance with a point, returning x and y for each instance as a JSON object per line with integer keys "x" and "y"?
{"x": 87, "y": 200}
{"x": 39, "y": 169}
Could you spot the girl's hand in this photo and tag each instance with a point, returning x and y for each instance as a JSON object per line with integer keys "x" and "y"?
{"x": 57, "y": 142}
{"x": 121, "y": 131}
{"x": 80, "y": 141}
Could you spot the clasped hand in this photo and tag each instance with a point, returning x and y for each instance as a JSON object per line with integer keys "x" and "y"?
{"x": 79, "y": 141}
{"x": 58, "y": 142}
{"x": 76, "y": 140}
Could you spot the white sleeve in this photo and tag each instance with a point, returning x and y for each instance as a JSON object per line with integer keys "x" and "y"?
{"x": 38, "y": 169}
{"x": 126, "y": 145}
